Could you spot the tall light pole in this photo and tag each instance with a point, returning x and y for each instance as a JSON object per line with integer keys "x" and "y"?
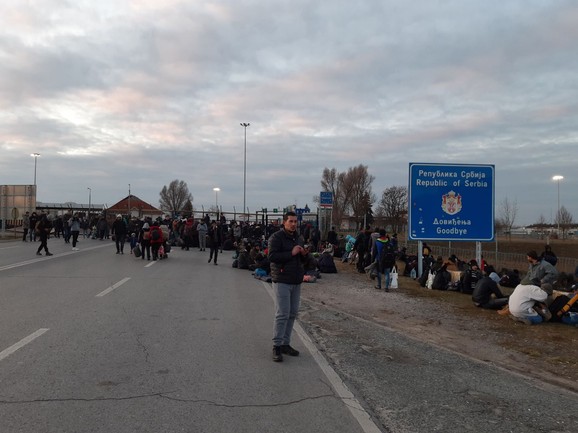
{"x": 558, "y": 178}
{"x": 35, "y": 155}
{"x": 129, "y": 215}
{"x": 244, "y": 125}
{"x": 89, "y": 200}
{"x": 217, "y": 199}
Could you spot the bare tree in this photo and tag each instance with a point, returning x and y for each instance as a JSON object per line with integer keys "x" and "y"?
{"x": 565, "y": 220}
{"x": 351, "y": 192}
{"x": 330, "y": 181}
{"x": 357, "y": 184}
{"x": 393, "y": 207}
{"x": 175, "y": 197}
{"x": 508, "y": 213}
{"x": 188, "y": 208}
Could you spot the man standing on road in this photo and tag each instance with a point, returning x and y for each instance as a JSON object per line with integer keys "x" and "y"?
{"x": 25, "y": 226}
{"x": 287, "y": 257}
{"x": 119, "y": 230}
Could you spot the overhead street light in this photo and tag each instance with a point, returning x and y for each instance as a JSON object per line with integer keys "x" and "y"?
{"x": 217, "y": 199}
{"x": 557, "y": 179}
{"x": 35, "y": 155}
{"x": 245, "y": 125}
{"x": 89, "y": 201}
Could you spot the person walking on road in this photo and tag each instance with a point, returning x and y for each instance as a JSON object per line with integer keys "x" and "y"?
{"x": 287, "y": 257}
{"x": 74, "y": 226}
{"x": 215, "y": 240}
{"x": 32, "y": 223}
{"x": 119, "y": 230}
{"x": 44, "y": 226}
{"x": 145, "y": 241}
{"x": 156, "y": 240}
{"x": 202, "y": 231}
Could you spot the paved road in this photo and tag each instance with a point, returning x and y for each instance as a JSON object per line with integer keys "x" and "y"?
{"x": 95, "y": 342}
{"x": 91, "y": 341}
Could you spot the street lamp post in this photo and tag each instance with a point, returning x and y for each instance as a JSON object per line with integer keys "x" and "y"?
{"x": 244, "y": 125}
{"x": 217, "y": 199}
{"x": 89, "y": 201}
{"x": 557, "y": 179}
{"x": 35, "y": 155}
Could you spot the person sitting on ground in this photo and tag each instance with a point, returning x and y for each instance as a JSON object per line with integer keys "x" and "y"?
{"x": 509, "y": 278}
{"x": 310, "y": 262}
{"x": 539, "y": 270}
{"x": 491, "y": 272}
{"x": 325, "y": 262}
{"x": 470, "y": 277}
{"x": 565, "y": 308}
{"x": 549, "y": 255}
{"x": 527, "y": 304}
{"x": 564, "y": 282}
{"x": 442, "y": 279}
{"x": 437, "y": 265}
{"x": 483, "y": 291}
{"x": 254, "y": 252}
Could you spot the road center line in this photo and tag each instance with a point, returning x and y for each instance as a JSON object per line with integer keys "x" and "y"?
{"x": 7, "y": 352}
{"x": 40, "y": 259}
{"x": 114, "y": 286}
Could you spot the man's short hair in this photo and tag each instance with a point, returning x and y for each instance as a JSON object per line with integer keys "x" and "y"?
{"x": 288, "y": 214}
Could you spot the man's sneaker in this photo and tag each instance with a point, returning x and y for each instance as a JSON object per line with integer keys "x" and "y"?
{"x": 38, "y": 253}
{"x": 277, "y": 356}
{"x": 49, "y": 254}
{"x": 288, "y": 350}
{"x": 523, "y": 320}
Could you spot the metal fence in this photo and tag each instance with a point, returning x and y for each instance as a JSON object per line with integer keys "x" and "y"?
{"x": 497, "y": 259}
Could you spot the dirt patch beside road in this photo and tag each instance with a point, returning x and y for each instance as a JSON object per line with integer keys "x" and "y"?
{"x": 548, "y": 351}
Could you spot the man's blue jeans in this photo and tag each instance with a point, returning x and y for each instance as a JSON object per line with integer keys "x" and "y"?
{"x": 386, "y": 273}
{"x": 287, "y": 298}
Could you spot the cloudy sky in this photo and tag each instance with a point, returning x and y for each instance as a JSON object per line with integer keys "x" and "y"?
{"x": 142, "y": 92}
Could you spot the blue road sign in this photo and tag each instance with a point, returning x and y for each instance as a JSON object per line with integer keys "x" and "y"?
{"x": 453, "y": 202}
{"x": 325, "y": 199}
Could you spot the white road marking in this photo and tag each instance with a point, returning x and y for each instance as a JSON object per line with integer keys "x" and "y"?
{"x": 341, "y": 389}
{"x": 150, "y": 264}
{"x": 114, "y": 286}
{"x": 54, "y": 256}
{"x": 7, "y": 352}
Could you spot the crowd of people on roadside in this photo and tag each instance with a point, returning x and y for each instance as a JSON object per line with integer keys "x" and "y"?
{"x": 543, "y": 294}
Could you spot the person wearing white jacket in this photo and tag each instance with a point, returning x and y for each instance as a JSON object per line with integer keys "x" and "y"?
{"x": 526, "y": 301}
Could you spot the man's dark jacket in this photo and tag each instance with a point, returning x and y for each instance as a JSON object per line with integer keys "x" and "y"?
{"x": 285, "y": 268}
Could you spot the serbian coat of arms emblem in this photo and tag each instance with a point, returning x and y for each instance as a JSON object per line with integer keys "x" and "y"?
{"x": 451, "y": 203}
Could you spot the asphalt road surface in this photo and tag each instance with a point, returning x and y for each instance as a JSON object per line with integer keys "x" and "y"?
{"x": 91, "y": 341}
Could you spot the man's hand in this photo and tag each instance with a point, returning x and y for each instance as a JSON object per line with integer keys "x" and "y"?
{"x": 298, "y": 249}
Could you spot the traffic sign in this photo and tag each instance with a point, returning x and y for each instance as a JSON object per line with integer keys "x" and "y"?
{"x": 453, "y": 202}
{"x": 326, "y": 199}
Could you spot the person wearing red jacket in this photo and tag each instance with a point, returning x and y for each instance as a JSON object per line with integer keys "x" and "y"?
{"x": 156, "y": 239}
